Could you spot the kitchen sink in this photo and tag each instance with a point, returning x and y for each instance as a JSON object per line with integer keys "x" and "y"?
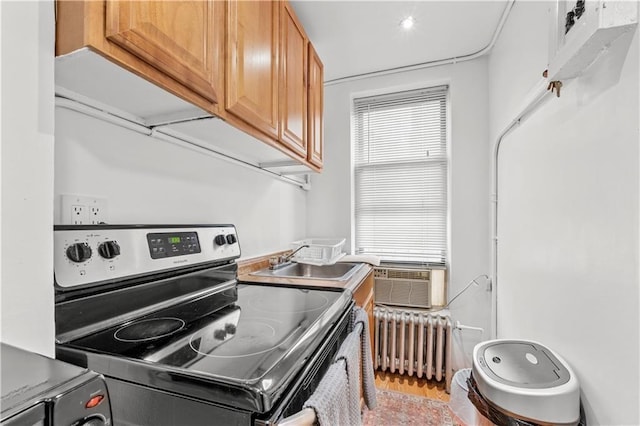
{"x": 335, "y": 272}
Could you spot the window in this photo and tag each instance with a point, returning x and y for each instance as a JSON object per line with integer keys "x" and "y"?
{"x": 400, "y": 172}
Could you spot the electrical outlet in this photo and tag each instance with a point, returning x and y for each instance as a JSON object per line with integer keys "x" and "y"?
{"x": 95, "y": 215}
{"x": 83, "y": 210}
{"x": 78, "y": 215}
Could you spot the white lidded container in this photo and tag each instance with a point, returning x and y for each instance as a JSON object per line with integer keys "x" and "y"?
{"x": 528, "y": 380}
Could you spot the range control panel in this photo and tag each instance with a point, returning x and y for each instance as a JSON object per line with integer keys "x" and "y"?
{"x": 168, "y": 244}
{"x": 94, "y": 253}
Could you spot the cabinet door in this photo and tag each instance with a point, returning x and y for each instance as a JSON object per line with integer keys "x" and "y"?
{"x": 316, "y": 109}
{"x": 179, "y": 38}
{"x": 293, "y": 82}
{"x": 252, "y": 63}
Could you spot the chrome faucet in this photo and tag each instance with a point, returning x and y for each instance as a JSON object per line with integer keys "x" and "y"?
{"x": 280, "y": 261}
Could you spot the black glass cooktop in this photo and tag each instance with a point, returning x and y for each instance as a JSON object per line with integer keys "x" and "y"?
{"x": 245, "y": 342}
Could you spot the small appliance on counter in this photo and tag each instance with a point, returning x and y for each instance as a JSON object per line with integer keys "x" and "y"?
{"x": 159, "y": 311}
{"x": 37, "y": 390}
{"x": 523, "y": 382}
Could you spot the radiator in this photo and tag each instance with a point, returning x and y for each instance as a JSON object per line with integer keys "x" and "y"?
{"x": 413, "y": 343}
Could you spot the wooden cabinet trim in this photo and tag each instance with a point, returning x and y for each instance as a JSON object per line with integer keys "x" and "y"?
{"x": 293, "y": 81}
{"x": 240, "y": 100}
{"x": 361, "y": 292}
{"x": 315, "y": 126}
{"x": 363, "y": 296}
{"x": 369, "y": 299}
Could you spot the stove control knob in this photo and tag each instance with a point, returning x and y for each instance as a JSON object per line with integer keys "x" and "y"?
{"x": 231, "y": 239}
{"x": 79, "y": 252}
{"x": 109, "y": 249}
{"x": 220, "y": 240}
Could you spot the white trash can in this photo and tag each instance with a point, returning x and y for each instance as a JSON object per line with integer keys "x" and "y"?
{"x": 459, "y": 402}
{"x": 525, "y": 380}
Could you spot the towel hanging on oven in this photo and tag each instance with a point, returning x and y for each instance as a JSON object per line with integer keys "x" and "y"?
{"x": 359, "y": 316}
{"x": 349, "y": 352}
{"x": 336, "y": 399}
{"x": 329, "y": 401}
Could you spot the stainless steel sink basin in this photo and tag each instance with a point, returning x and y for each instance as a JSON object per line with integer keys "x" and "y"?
{"x": 335, "y": 272}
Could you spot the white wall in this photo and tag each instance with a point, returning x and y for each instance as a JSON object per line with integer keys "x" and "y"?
{"x": 27, "y": 42}
{"x": 568, "y": 213}
{"x": 146, "y": 180}
{"x": 329, "y": 202}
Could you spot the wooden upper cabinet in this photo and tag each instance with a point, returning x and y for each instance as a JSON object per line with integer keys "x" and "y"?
{"x": 316, "y": 110}
{"x": 252, "y": 63}
{"x": 248, "y": 62}
{"x": 176, "y": 37}
{"x": 176, "y": 45}
{"x": 293, "y": 82}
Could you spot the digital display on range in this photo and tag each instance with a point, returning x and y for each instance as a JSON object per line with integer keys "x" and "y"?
{"x": 167, "y": 244}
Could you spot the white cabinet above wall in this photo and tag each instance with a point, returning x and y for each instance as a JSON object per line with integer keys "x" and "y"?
{"x": 160, "y": 68}
{"x": 580, "y": 32}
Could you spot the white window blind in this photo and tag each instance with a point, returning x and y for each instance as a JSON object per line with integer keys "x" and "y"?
{"x": 400, "y": 169}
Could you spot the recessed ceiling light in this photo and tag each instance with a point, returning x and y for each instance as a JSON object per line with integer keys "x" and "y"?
{"x": 407, "y": 23}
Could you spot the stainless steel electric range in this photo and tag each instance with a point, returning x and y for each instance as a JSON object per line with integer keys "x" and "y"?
{"x": 159, "y": 312}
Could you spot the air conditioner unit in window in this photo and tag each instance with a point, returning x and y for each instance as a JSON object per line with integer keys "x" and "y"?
{"x": 409, "y": 287}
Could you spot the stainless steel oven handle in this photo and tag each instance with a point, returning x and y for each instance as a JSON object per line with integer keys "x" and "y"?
{"x": 316, "y": 366}
{"x": 315, "y": 359}
{"x": 319, "y": 362}
{"x": 304, "y": 417}
{"x": 307, "y": 416}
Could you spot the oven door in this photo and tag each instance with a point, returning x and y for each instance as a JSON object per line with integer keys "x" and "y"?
{"x": 306, "y": 383}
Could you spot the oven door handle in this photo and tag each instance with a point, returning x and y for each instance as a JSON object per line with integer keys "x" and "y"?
{"x": 304, "y": 417}
{"x": 307, "y": 416}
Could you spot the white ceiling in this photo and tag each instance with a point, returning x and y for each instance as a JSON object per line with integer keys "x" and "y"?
{"x": 357, "y": 37}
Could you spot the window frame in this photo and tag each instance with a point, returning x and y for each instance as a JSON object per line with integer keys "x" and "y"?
{"x": 446, "y": 88}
